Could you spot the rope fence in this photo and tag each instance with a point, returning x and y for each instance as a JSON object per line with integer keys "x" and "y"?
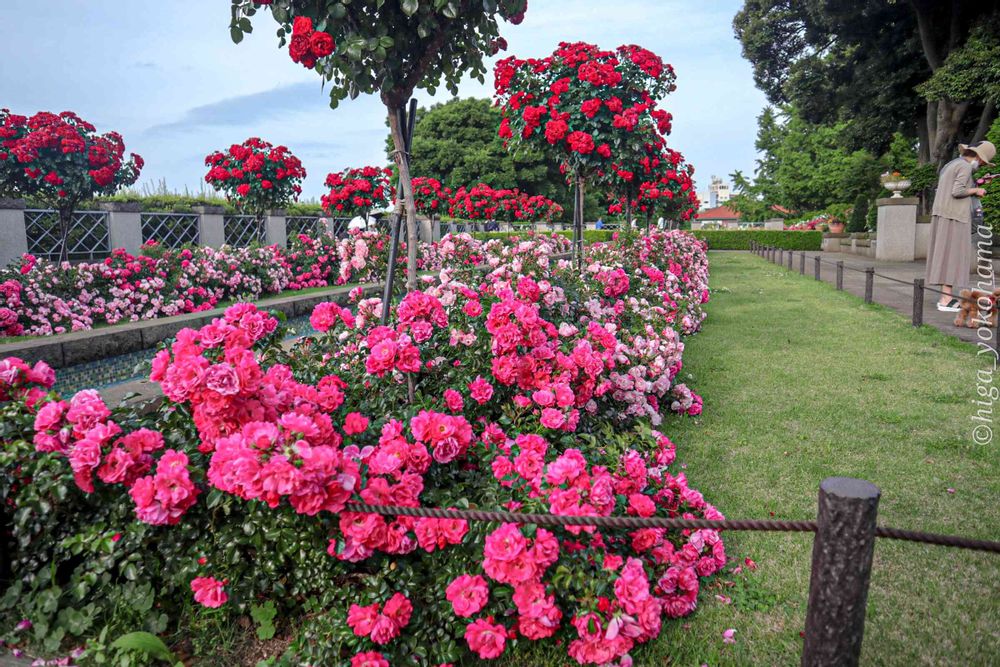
{"x": 844, "y": 531}
{"x": 635, "y": 523}
{"x": 988, "y": 316}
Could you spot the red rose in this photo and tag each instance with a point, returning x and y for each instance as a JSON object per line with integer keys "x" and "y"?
{"x": 591, "y": 107}
{"x": 267, "y": 185}
{"x": 299, "y": 48}
{"x": 555, "y": 130}
{"x": 243, "y": 189}
{"x": 581, "y": 142}
{"x": 604, "y": 150}
{"x": 321, "y": 44}
{"x": 302, "y": 25}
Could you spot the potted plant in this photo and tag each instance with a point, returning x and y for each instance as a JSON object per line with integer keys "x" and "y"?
{"x": 895, "y": 183}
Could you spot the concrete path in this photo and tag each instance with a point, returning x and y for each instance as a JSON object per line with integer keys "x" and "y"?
{"x": 894, "y": 295}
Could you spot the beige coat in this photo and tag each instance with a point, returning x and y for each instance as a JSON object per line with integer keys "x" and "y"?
{"x": 952, "y": 197}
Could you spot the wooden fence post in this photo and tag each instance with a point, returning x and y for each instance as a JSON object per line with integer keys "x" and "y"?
{"x": 840, "y": 275}
{"x": 918, "y": 301}
{"x": 816, "y": 269}
{"x": 869, "y": 283}
{"x": 841, "y": 569}
{"x": 790, "y": 253}
{"x": 802, "y": 263}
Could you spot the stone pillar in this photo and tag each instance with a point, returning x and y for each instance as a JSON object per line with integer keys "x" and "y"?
{"x": 211, "y": 227}
{"x": 124, "y": 225}
{"x": 897, "y": 229}
{"x": 13, "y": 235}
{"x": 275, "y": 231}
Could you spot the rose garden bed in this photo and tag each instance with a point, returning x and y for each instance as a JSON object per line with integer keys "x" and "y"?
{"x": 534, "y": 388}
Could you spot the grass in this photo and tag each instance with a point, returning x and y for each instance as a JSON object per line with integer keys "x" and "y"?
{"x": 802, "y": 382}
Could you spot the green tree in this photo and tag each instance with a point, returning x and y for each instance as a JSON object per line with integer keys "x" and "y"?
{"x": 456, "y": 142}
{"x": 863, "y": 60}
{"x": 389, "y": 48}
{"x": 803, "y": 167}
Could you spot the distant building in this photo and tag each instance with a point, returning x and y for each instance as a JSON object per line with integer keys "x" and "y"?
{"x": 719, "y": 215}
{"x": 717, "y": 193}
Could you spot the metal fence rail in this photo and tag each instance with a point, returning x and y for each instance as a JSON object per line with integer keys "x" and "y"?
{"x": 171, "y": 230}
{"x": 88, "y": 237}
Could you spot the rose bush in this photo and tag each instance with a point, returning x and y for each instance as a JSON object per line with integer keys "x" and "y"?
{"x": 256, "y": 176}
{"x": 525, "y": 398}
{"x": 40, "y": 298}
{"x": 358, "y": 192}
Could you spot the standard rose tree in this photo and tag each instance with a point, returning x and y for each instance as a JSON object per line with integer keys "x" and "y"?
{"x": 389, "y": 48}
{"x": 60, "y": 160}
{"x": 256, "y": 177}
{"x": 584, "y": 107}
{"x": 358, "y": 192}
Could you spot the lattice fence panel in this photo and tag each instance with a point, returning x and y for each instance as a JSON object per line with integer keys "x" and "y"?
{"x": 172, "y": 230}
{"x": 242, "y": 230}
{"x": 303, "y": 224}
{"x": 88, "y": 237}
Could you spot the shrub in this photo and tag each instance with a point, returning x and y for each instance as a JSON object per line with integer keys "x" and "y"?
{"x": 859, "y": 214}
{"x": 739, "y": 239}
{"x": 230, "y": 497}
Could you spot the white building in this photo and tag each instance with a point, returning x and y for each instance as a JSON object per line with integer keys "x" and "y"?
{"x": 717, "y": 193}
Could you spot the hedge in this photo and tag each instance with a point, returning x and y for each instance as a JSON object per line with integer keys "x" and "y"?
{"x": 589, "y": 235}
{"x": 739, "y": 239}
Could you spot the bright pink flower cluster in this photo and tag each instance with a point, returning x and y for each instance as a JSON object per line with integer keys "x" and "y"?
{"x": 382, "y": 623}
{"x": 209, "y": 592}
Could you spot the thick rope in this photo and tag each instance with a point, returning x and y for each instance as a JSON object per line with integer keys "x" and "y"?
{"x": 635, "y": 522}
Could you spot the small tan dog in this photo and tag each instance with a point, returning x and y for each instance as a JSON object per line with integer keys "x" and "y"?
{"x": 971, "y": 315}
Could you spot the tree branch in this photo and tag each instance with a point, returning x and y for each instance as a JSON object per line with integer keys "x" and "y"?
{"x": 926, "y": 29}
{"x": 985, "y": 120}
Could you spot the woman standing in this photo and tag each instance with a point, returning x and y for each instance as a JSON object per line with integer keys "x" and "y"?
{"x": 949, "y": 256}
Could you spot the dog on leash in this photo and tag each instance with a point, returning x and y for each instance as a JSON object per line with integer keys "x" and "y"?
{"x": 972, "y": 310}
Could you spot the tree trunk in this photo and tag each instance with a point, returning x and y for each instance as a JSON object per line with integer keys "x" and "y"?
{"x": 924, "y": 133}
{"x": 65, "y": 222}
{"x": 578, "y": 220}
{"x": 406, "y": 185}
{"x": 948, "y": 121}
{"x": 628, "y": 213}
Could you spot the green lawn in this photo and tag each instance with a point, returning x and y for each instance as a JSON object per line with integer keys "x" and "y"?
{"x": 802, "y": 382}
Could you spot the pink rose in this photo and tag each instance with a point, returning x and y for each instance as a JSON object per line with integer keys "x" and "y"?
{"x": 209, "y": 592}
{"x": 467, "y": 594}
{"x": 486, "y": 639}
{"x": 355, "y": 423}
{"x": 480, "y": 390}
{"x": 552, "y": 418}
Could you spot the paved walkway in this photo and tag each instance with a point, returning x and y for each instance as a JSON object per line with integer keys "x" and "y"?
{"x": 894, "y": 295}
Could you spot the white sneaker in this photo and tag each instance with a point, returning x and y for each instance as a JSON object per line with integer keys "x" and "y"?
{"x": 950, "y": 307}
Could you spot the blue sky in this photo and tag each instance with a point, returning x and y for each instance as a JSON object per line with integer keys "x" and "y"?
{"x": 167, "y": 76}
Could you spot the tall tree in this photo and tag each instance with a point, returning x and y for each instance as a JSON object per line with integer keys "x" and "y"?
{"x": 864, "y": 59}
{"x": 389, "y": 48}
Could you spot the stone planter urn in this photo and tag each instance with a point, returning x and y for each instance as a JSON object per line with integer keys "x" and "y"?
{"x": 896, "y": 186}
{"x": 837, "y": 227}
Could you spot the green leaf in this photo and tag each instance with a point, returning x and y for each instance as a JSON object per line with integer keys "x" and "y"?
{"x": 147, "y": 643}
{"x": 236, "y": 35}
{"x": 410, "y": 7}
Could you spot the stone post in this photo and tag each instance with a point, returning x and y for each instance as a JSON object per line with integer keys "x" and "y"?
{"x": 211, "y": 227}
{"x": 13, "y": 234}
{"x": 897, "y": 229}
{"x": 841, "y": 569}
{"x": 124, "y": 225}
{"x": 275, "y": 229}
